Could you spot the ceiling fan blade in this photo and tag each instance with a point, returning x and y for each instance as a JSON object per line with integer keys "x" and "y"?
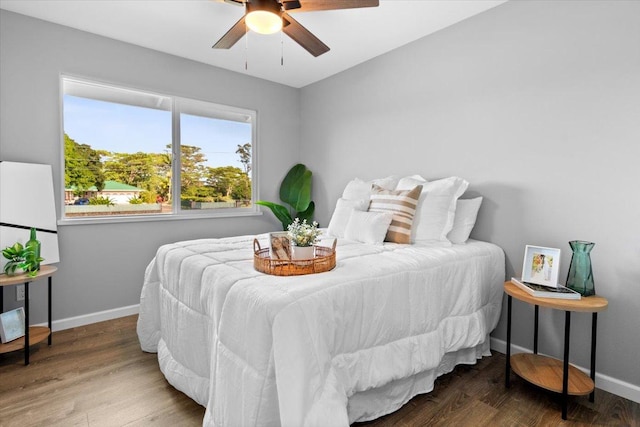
{"x": 303, "y": 37}
{"x": 234, "y": 2}
{"x": 291, "y": 4}
{"x": 312, "y": 5}
{"x": 232, "y": 36}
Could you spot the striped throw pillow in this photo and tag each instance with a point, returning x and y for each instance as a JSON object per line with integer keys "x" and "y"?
{"x": 402, "y": 204}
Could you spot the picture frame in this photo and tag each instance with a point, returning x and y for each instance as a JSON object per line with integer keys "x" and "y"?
{"x": 12, "y": 325}
{"x": 280, "y": 245}
{"x": 541, "y": 266}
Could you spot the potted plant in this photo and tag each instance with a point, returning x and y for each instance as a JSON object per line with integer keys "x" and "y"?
{"x": 303, "y": 236}
{"x": 23, "y": 257}
{"x": 295, "y": 191}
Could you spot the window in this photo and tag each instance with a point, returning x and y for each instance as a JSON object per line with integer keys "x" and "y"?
{"x": 132, "y": 153}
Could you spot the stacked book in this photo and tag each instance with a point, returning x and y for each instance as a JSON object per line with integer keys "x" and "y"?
{"x": 546, "y": 291}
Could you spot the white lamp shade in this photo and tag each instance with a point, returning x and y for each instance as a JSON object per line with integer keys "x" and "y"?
{"x": 26, "y": 201}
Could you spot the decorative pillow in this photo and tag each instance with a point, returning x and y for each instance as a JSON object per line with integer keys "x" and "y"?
{"x": 402, "y": 204}
{"x": 341, "y": 215}
{"x": 436, "y": 207}
{"x": 368, "y": 227}
{"x": 465, "y": 219}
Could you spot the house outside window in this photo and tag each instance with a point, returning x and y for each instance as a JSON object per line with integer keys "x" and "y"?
{"x": 135, "y": 154}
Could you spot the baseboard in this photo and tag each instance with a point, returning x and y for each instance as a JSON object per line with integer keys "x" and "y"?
{"x": 87, "y": 319}
{"x": 603, "y": 382}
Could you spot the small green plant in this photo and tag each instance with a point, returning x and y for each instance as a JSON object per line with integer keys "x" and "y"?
{"x": 303, "y": 234}
{"x": 295, "y": 191}
{"x": 99, "y": 200}
{"x": 136, "y": 200}
{"x": 21, "y": 257}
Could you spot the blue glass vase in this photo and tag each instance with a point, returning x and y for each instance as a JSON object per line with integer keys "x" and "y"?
{"x": 580, "y": 277}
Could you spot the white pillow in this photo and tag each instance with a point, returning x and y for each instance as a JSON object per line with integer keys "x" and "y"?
{"x": 358, "y": 189}
{"x": 465, "y": 219}
{"x": 368, "y": 227}
{"x": 388, "y": 183}
{"x": 341, "y": 215}
{"x": 436, "y": 207}
{"x": 410, "y": 181}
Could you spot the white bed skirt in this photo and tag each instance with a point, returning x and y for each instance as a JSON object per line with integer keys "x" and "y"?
{"x": 362, "y": 406}
{"x": 372, "y": 404}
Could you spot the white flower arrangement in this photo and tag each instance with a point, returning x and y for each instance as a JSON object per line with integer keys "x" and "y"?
{"x": 303, "y": 234}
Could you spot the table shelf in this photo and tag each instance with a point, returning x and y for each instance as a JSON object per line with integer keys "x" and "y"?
{"x": 36, "y": 334}
{"x": 44, "y": 272}
{"x": 546, "y": 372}
{"x": 33, "y": 334}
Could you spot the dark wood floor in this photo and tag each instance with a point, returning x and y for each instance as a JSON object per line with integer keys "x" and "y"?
{"x": 98, "y": 376}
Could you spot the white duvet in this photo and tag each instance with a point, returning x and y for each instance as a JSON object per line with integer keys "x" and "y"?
{"x": 324, "y": 349}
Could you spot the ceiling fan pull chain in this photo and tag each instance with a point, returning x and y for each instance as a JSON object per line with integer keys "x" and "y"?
{"x": 246, "y": 48}
{"x": 281, "y": 48}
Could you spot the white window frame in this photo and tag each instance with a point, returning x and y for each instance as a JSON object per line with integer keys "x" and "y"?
{"x": 177, "y": 106}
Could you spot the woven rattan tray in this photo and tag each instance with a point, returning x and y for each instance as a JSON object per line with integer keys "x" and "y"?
{"x": 324, "y": 260}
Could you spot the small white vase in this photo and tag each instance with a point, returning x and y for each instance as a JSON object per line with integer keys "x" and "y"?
{"x": 18, "y": 272}
{"x": 303, "y": 252}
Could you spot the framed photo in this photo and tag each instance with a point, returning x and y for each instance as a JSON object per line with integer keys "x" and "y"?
{"x": 541, "y": 265}
{"x": 12, "y": 325}
{"x": 279, "y": 245}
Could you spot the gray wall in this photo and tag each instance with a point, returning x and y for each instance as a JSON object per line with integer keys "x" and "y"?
{"x": 102, "y": 265}
{"x": 537, "y": 104}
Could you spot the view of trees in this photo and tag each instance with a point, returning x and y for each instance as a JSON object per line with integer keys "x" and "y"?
{"x": 86, "y": 167}
{"x": 245, "y": 156}
{"x": 82, "y": 166}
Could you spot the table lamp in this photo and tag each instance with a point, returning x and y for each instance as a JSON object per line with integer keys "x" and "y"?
{"x": 27, "y": 201}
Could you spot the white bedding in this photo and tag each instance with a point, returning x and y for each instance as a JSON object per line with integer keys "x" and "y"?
{"x": 325, "y": 349}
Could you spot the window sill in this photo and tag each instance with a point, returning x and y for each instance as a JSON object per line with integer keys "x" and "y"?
{"x": 152, "y": 218}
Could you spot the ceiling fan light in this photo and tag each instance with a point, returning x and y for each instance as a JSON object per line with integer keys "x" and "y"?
{"x": 263, "y": 22}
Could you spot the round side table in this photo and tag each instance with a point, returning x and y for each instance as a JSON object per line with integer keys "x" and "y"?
{"x": 547, "y": 372}
{"x": 32, "y": 334}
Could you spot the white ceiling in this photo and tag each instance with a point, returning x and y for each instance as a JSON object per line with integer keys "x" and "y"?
{"x": 188, "y": 28}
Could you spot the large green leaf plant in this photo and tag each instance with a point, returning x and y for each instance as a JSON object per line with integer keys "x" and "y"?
{"x": 295, "y": 191}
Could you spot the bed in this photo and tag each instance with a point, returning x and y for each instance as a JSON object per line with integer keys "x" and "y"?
{"x": 327, "y": 349}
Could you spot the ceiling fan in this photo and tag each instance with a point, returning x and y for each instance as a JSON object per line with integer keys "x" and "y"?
{"x": 270, "y": 16}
